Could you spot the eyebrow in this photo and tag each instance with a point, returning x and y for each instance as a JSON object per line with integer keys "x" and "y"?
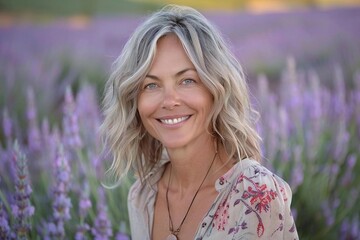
{"x": 176, "y": 75}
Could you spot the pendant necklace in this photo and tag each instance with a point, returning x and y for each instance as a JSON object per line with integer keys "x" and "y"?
{"x": 175, "y": 232}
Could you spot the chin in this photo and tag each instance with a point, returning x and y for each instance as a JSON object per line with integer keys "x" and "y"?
{"x": 173, "y": 144}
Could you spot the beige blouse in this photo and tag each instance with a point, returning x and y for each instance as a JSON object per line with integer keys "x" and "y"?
{"x": 253, "y": 203}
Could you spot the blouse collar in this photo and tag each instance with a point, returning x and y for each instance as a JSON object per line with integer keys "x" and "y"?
{"x": 221, "y": 183}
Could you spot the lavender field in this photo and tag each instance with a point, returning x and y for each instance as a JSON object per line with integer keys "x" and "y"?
{"x": 304, "y": 71}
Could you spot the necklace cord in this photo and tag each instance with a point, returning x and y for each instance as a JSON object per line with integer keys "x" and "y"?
{"x": 171, "y": 225}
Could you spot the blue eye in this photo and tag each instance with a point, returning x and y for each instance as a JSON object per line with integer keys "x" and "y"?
{"x": 188, "y": 81}
{"x": 150, "y": 86}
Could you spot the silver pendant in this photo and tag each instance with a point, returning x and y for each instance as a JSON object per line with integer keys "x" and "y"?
{"x": 171, "y": 237}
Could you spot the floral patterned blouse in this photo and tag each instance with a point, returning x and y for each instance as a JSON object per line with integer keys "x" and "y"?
{"x": 253, "y": 203}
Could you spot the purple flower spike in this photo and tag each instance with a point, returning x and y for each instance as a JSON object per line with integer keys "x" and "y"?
{"x": 102, "y": 225}
{"x": 298, "y": 170}
{"x": 34, "y": 137}
{"x": 347, "y": 178}
{"x": 7, "y": 124}
{"x": 62, "y": 171}
{"x": 81, "y": 231}
{"x": 84, "y": 206}
{"x": 22, "y": 209}
{"x": 121, "y": 234}
{"x": 61, "y": 202}
{"x": 350, "y": 229}
{"x": 88, "y": 112}
{"x": 4, "y": 224}
{"x": 70, "y": 122}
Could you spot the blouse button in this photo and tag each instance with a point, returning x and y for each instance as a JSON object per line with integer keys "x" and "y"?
{"x": 203, "y": 224}
{"x": 221, "y": 181}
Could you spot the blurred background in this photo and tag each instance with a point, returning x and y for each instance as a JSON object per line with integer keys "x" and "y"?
{"x": 106, "y": 7}
{"x": 302, "y": 62}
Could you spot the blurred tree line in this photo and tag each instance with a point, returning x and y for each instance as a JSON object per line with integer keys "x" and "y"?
{"x": 75, "y": 7}
{"x": 101, "y": 7}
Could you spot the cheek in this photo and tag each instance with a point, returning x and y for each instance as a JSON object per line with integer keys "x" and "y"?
{"x": 143, "y": 117}
{"x": 207, "y": 101}
{"x": 145, "y": 108}
{"x": 208, "y": 105}
{"x": 142, "y": 107}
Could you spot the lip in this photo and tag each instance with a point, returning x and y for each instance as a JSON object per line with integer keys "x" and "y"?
{"x": 171, "y": 121}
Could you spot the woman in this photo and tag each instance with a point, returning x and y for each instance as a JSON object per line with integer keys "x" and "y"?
{"x": 177, "y": 112}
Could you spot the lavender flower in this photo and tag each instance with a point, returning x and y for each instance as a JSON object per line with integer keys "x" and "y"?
{"x": 4, "y": 224}
{"x": 7, "y": 124}
{"x": 356, "y": 100}
{"x": 45, "y": 130}
{"x": 341, "y": 141}
{"x": 297, "y": 176}
{"x": 102, "y": 225}
{"x": 81, "y": 231}
{"x": 350, "y": 229}
{"x": 89, "y": 113}
{"x": 22, "y": 210}
{"x": 52, "y": 145}
{"x": 283, "y": 132}
{"x": 121, "y": 234}
{"x": 34, "y": 137}
{"x": 84, "y": 206}
{"x": 61, "y": 202}
{"x": 347, "y": 177}
{"x": 339, "y": 98}
{"x": 70, "y": 122}
{"x": 315, "y": 108}
{"x": 328, "y": 210}
{"x": 291, "y": 95}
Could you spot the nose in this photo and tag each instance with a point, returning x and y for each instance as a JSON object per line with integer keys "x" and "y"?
{"x": 171, "y": 98}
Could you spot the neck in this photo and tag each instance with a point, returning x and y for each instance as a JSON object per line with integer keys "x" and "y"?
{"x": 188, "y": 176}
{"x": 174, "y": 231}
{"x": 190, "y": 163}
{"x": 189, "y": 166}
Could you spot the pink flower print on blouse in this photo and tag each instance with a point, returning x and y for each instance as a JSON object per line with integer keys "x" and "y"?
{"x": 283, "y": 192}
{"x": 259, "y": 197}
{"x": 221, "y": 216}
{"x": 236, "y": 229}
{"x": 281, "y": 226}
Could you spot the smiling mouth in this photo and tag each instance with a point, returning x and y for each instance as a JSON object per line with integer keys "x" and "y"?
{"x": 172, "y": 121}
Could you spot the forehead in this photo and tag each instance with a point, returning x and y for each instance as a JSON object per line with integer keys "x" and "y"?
{"x": 170, "y": 54}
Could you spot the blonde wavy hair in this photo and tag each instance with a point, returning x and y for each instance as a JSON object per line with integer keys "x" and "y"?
{"x": 232, "y": 117}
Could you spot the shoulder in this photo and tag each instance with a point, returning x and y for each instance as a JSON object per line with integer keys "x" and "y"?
{"x": 135, "y": 190}
{"x": 142, "y": 189}
{"x": 140, "y": 207}
{"x": 257, "y": 177}
{"x": 257, "y": 203}
{"x": 250, "y": 175}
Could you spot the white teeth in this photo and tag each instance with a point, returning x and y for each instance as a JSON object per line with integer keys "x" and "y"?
{"x": 174, "y": 120}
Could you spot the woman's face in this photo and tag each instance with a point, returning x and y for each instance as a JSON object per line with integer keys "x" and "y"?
{"x": 173, "y": 102}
